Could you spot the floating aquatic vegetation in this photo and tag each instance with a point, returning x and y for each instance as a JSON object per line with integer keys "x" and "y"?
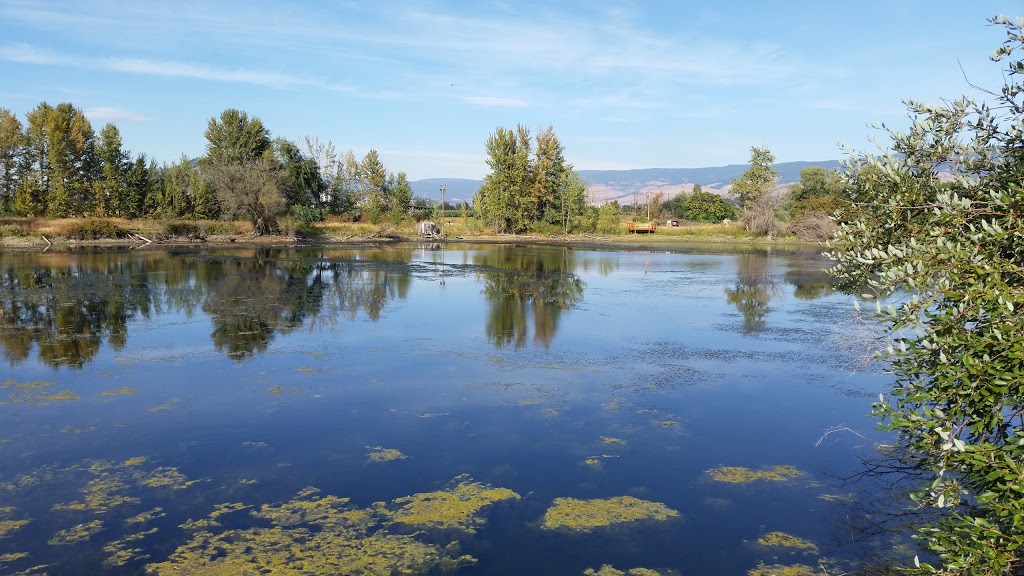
{"x": 310, "y": 534}
{"x": 227, "y": 508}
{"x": 42, "y": 474}
{"x": 595, "y": 462}
{"x": 134, "y": 461}
{"x": 116, "y": 392}
{"x": 608, "y": 570}
{"x": 741, "y": 475}
{"x": 248, "y": 481}
{"x": 8, "y": 527}
{"x": 850, "y": 497}
{"x": 783, "y": 570}
{"x": 382, "y": 454}
{"x": 101, "y": 494}
{"x": 70, "y": 430}
{"x": 667, "y": 424}
{"x": 147, "y": 516}
{"x": 574, "y": 515}
{"x": 456, "y": 508}
{"x": 12, "y": 557}
{"x": 167, "y": 477}
{"x": 172, "y": 403}
{"x": 120, "y": 553}
{"x": 551, "y": 412}
{"x": 34, "y": 393}
{"x": 612, "y": 440}
{"x": 77, "y": 533}
{"x": 784, "y": 540}
{"x": 281, "y": 390}
{"x": 530, "y": 402}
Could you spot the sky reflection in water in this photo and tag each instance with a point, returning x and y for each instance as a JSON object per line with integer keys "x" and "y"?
{"x": 245, "y": 376}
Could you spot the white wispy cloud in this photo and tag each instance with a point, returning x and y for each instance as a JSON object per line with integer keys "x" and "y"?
{"x": 200, "y": 72}
{"x": 110, "y": 114}
{"x": 495, "y": 101}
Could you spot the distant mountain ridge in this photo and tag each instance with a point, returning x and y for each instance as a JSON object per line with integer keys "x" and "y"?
{"x": 621, "y": 185}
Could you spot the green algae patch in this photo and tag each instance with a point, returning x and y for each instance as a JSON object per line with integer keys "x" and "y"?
{"x": 121, "y": 552}
{"x": 145, "y": 517}
{"x": 382, "y": 454}
{"x": 457, "y": 508}
{"x": 118, "y": 392}
{"x": 170, "y": 404}
{"x": 36, "y": 393}
{"x": 309, "y": 534}
{"x": 741, "y": 475}
{"x": 8, "y": 527}
{"x": 784, "y": 540}
{"x": 572, "y": 515}
{"x": 77, "y": 533}
{"x": 783, "y": 570}
{"x": 608, "y": 570}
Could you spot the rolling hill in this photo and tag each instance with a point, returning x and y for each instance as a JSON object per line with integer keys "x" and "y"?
{"x": 621, "y": 185}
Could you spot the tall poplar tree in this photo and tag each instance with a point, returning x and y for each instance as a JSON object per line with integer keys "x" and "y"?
{"x": 504, "y": 199}
{"x": 12, "y": 142}
{"x": 111, "y": 188}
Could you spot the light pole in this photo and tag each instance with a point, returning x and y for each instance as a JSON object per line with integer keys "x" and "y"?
{"x": 443, "y": 187}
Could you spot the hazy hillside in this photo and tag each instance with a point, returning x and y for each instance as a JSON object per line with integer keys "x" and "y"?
{"x": 605, "y": 185}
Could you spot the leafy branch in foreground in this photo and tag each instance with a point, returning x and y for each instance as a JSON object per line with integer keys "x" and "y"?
{"x": 946, "y": 252}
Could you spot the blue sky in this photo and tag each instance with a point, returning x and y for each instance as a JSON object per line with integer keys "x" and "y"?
{"x": 625, "y": 84}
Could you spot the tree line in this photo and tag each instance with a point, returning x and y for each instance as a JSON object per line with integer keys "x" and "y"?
{"x": 55, "y": 165}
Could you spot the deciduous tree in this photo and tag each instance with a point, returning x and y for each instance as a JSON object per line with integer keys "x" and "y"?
{"x": 946, "y": 253}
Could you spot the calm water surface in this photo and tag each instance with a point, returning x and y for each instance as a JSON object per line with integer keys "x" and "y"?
{"x": 144, "y": 391}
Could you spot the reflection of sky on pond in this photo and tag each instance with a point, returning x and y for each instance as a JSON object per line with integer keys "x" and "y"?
{"x": 652, "y": 351}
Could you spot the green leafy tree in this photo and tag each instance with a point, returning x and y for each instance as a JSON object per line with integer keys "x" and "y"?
{"x": 947, "y": 254}
{"x": 374, "y": 178}
{"x": 504, "y": 199}
{"x": 111, "y": 188}
{"x": 60, "y": 164}
{"x": 572, "y": 198}
{"x": 676, "y": 205}
{"x": 757, "y": 180}
{"x": 755, "y": 191}
{"x": 241, "y": 168}
{"x": 708, "y": 207}
{"x": 12, "y": 142}
{"x": 548, "y": 173}
{"x": 235, "y": 137}
{"x": 34, "y": 173}
{"x": 138, "y": 185}
{"x": 305, "y": 187}
{"x": 820, "y": 191}
{"x": 609, "y": 218}
{"x": 400, "y": 197}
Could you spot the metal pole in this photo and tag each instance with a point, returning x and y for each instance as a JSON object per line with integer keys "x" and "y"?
{"x": 442, "y": 209}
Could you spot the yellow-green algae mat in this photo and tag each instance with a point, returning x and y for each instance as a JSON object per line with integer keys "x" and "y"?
{"x": 572, "y": 515}
{"x": 313, "y": 534}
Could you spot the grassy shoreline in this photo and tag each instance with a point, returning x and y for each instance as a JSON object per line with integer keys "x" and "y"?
{"x": 38, "y": 233}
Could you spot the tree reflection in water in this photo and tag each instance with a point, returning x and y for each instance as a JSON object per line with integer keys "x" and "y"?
{"x": 754, "y": 289}
{"x": 523, "y": 286}
{"x": 66, "y": 304}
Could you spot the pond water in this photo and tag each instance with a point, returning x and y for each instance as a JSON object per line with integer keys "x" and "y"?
{"x": 422, "y": 409}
